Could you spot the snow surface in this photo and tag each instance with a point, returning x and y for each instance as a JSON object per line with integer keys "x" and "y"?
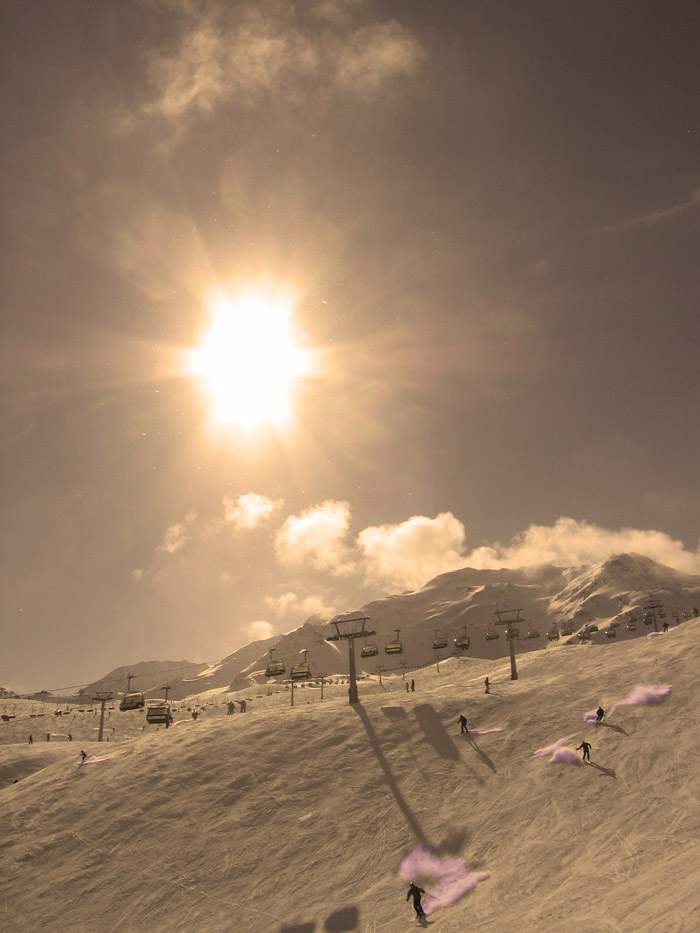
{"x": 299, "y": 819}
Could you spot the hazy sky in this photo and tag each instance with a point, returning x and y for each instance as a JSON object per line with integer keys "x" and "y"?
{"x": 484, "y": 219}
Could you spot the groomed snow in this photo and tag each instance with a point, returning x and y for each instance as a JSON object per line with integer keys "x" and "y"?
{"x": 301, "y": 820}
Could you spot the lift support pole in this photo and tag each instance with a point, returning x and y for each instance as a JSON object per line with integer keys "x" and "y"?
{"x": 350, "y": 634}
{"x": 103, "y": 698}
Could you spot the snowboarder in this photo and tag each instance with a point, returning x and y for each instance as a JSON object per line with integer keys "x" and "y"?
{"x": 599, "y": 713}
{"x": 463, "y": 723}
{"x": 586, "y": 746}
{"x": 486, "y": 684}
{"x": 83, "y": 755}
{"x": 415, "y": 892}
{"x": 413, "y": 686}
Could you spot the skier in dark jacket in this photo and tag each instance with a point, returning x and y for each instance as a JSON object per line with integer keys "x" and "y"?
{"x": 463, "y": 723}
{"x": 599, "y": 713}
{"x": 415, "y": 892}
{"x": 586, "y": 746}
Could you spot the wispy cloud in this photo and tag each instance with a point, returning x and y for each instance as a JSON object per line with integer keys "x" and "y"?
{"x": 177, "y": 535}
{"x": 245, "y": 50}
{"x": 667, "y": 213}
{"x": 569, "y": 542}
{"x": 292, "y": 605}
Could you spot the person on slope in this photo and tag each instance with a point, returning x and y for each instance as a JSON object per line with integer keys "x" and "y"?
{"x": 487, "y": 685}
{"x": 415, "y": 892}
{"x": 599, "y": 713}
{"x": 463, "y": 723}
{"x": 586, "y": 746}
{"x": 83, "y": 755}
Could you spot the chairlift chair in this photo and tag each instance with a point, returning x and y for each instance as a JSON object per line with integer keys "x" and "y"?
{"x": 513, "y": 632}
{"x": 553, "y": 635}
{"x": 662, "y": 613}
{"x": 274, "y": 668}
{"x": 631, "y": 627}
{"x": 369, "y": 651}
{"x": 394, "y": 647}
{"x": 132, "y": 701}
{"x": 301, "y": 671}
{"x": 159, "y": 715}
{"x": 439, "y": 642}
{"x": 567, "y": 630}
{"x": 533, "y": 633}
{"x": 491, "y": 636}
{"x": 611, "y": 633}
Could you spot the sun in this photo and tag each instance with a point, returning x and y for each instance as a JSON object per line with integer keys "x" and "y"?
{"x": 250, "y": 359}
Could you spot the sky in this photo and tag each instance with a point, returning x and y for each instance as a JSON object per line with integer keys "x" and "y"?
{"x": 478, "y": 225}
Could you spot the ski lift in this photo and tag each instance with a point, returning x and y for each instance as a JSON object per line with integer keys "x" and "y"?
{"x": 512, "y": 632}
{"x": 301, "y": 671}
{"x": 648, "y": 618}
{"x": 553, "y": 635}
{"x": 491, "y": 636}
{"x": 131, "y": 700}
{"x": 533, "y": 633}
{"x": 631, "y": 626}
{"x": 611, "y": 633}
{"x": 369, "y": 651}
{"x": 274, "y": 668}
{"x": 462, "y": 641}
{"x": 567, "y": 630}
{"x": 159, "y": 714}
{"x": 439, "y": 642}
{"x": 662, "y": 613}
{"x": 394, "y": 647}
{"x": 614, "y": 624}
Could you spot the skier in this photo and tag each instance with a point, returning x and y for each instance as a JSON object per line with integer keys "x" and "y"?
{"x": 486, "y": 684}
{"x": 31, "y": 739}
{"x": 599, "y": 713}
{"x": 407, "y": 688}
{"x": 243, "y": 707}
{"x": 586, "y": 746}
{"x": 413, "y": 686}
{"x": 463, "y": 723}
{"x": 665, "y": 626}
{"x": 83, "y": 755}
{"x": 415, "y": 892}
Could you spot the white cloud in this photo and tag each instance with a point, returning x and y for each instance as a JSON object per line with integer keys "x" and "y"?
{"x": 569, "y": 542}
{"x": 648, "y": 220}
{"x": 409, "y": 554}
{"x": 243, "y": 50}
{"x": 316, "y": 537}
{"x": 177, "y": 536}
{"x": 250, "y": 510}
{"x": 260, "y": 629}
{"x": 290, "y": 604}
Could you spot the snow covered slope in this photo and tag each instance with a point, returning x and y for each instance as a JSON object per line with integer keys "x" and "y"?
{"x": 297, "y": 819}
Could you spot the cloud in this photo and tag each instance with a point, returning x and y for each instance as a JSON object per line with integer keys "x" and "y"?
{"x": 648, "y": 220}
{"x": 250, "y": 510}
{"x": 245, "y": 50}
{"x": 316, "y": 537}
{"x": 289, "y": 604}
{"x": 409, "y": 554}
{"x": 260, "y": 629}
{"x": 176, "y": 536}
{"x": 569, "y": 542}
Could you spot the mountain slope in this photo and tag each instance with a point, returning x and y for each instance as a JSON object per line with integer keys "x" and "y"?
{"x": 297, "y": 819}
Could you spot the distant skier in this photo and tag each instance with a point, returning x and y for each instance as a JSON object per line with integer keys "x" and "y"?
{"x": 415, "y": 892}
{"x": 413, "y": 686}
{"x": 665, "y": 626}
{"x": 31, "y": 739}
{"x": 599, "y": 713}
{"x": 83, "y": 755}
{"x": 407, "y": 687}
{"x": 70, "y": 736}
{"x": 231, "y": 708}
{"x": 243, "y": 707}
{"x": 586, "y": 746}
{"x": 487, "y": 685}
{"x": 463, "y": 723}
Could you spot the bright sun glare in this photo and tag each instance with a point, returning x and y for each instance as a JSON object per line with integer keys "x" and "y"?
{"x": 249, "y": 360}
